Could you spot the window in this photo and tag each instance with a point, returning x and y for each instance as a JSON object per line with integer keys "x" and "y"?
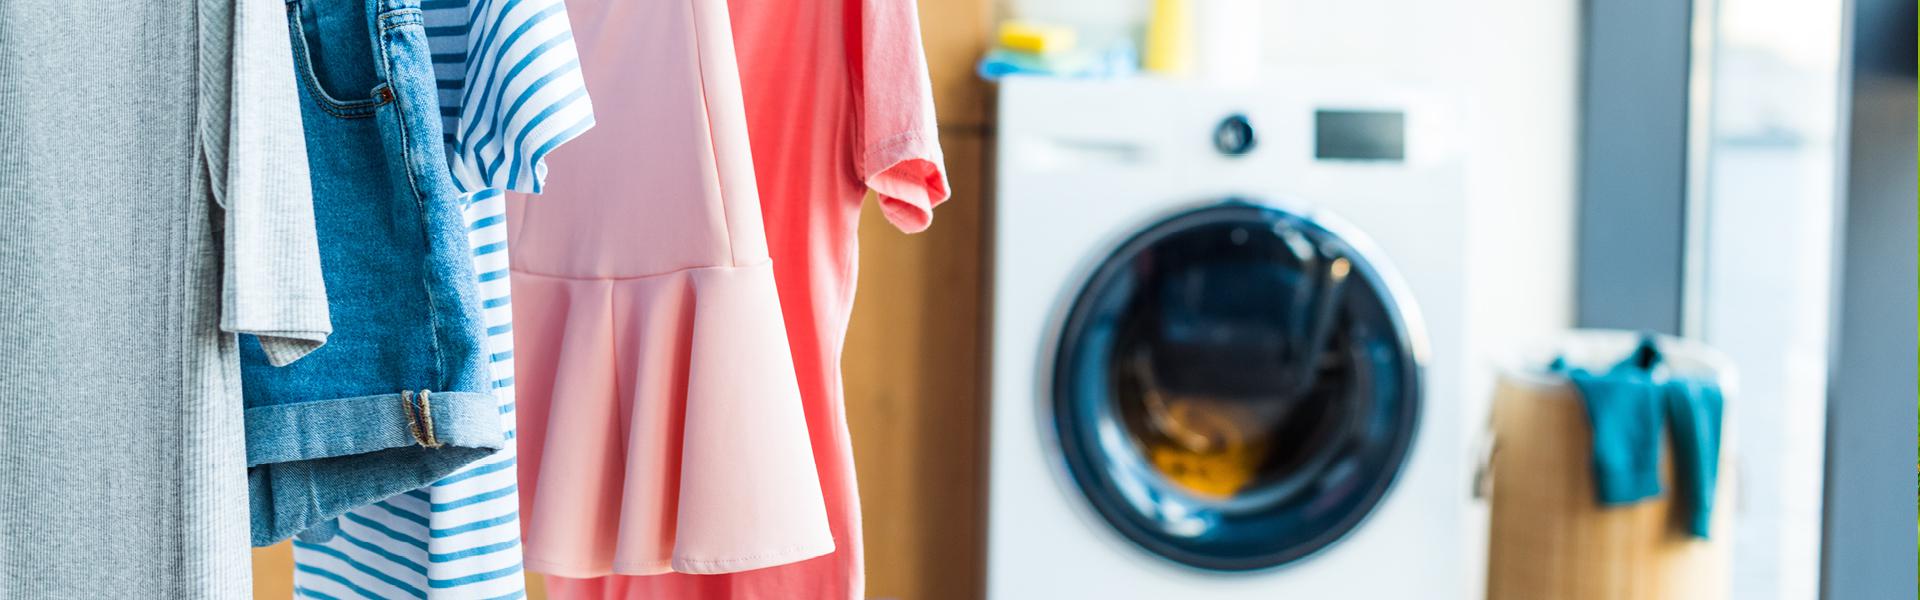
{"x": 1762, "y": 238}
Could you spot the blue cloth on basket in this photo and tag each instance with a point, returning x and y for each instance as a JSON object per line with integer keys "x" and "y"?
{"x": 1630, "y": 407}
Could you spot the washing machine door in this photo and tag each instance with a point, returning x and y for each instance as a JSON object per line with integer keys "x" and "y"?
{"x": 1235, "y": 387}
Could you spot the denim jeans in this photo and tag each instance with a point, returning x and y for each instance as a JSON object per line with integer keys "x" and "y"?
{"x": 399, "y": 395}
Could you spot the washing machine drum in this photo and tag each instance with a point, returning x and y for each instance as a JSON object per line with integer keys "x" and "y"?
{"x": 1235, "y": 387}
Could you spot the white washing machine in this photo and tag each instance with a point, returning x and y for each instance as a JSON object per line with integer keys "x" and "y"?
{"x": 1229, "y": 335}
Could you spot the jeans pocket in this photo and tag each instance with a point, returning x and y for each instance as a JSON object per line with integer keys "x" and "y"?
{"x": 333, "y": 59}
{"x": 407, "y": 61}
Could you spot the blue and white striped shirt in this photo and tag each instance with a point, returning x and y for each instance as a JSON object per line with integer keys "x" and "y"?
{"x": 510, "y": 92}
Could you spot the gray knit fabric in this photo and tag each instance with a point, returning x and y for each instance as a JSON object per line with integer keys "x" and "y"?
{"x": 257, "y": 164}
{"x": 122, "y": 459}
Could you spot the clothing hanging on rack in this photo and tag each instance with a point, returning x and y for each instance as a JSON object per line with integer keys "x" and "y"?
{"x": 155, "y": 188}
{"x": 306, "y": 185}
{"x": 517, "y": 98}
{"x": 837, "y": 102}
{"x": 399, "y": 397}
{"x": 661, "y": 422}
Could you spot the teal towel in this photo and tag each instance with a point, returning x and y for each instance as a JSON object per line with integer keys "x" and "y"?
{"x": 1693, "y": 408}
{"x": 1629, "y": 408}
{"x": 1627, "y": 411}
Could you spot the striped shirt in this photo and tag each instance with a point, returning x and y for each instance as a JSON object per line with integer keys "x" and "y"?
{"x": 510, "y": 92}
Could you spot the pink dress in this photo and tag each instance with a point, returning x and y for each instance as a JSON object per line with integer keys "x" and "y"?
{"x": 838, "y": 102}
{"x": 661, "y": 423}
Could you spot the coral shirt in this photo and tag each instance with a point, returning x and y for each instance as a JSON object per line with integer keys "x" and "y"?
{"x": 837, "y": 102}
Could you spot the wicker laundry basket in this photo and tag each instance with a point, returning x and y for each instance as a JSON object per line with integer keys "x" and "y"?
{"x": 1550, "y": 538}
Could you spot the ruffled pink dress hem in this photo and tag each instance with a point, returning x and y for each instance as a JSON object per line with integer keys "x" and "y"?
{"x": 641, "y": 380}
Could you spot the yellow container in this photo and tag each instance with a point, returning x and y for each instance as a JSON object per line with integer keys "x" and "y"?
{"x": 1035, "y": 38}
{"x": 1169, "y": 47}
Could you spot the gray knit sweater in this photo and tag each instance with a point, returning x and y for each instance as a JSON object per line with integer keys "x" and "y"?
{"x": 153, "y": 200}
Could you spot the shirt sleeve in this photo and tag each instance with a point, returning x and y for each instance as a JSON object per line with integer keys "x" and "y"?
{"x": 898, "y": 153}
{"x": 523, "y": 96}
{"x": 257, "y": 162}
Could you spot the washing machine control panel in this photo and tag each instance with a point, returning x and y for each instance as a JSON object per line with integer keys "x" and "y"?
{"x": 1345, "y": 134}
{"x": 1234, "y": 135}
{"x": 1341, "y": 134}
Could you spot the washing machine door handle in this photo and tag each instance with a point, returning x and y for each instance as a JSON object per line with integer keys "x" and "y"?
{"x": 1315, "y": 320}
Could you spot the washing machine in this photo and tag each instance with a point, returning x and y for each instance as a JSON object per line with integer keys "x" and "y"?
{"x": 1228, "y": 344}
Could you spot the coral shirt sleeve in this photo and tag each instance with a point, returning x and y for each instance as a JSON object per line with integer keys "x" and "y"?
{"x": 898, "y": 153}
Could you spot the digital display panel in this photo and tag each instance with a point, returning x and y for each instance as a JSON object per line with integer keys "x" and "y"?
{"x": 1359, "y": 135}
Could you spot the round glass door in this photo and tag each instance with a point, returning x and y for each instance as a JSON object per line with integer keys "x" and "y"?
{"x": 1235, "y": 388}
